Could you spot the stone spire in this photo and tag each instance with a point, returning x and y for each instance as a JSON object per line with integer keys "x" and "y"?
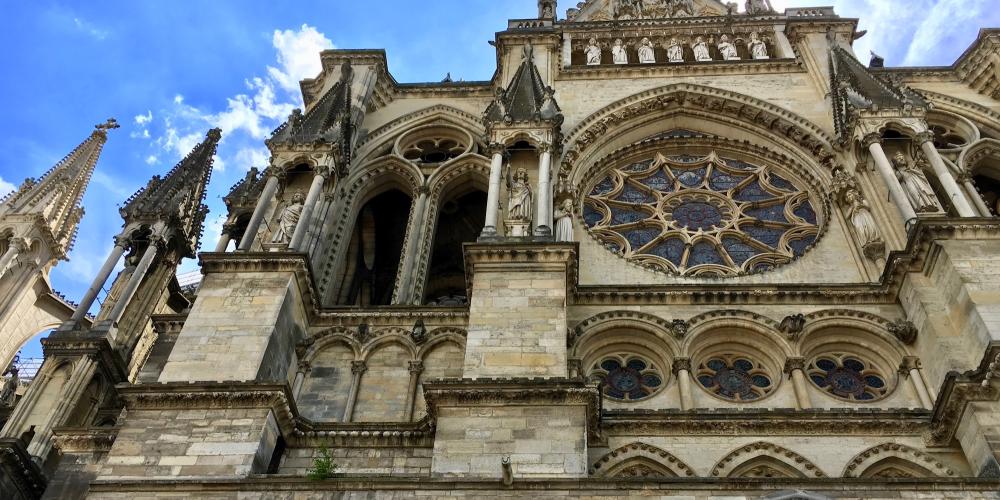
{"x": 174, "y": 203}
{"x": 327, "y": 122}
{"x": 527, "y": 99}
{"x": 54, "y": 200}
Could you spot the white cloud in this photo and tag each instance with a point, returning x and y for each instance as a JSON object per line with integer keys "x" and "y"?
{"x": 939, "y": 24}
{"x": 90, "y": 29}
{"x": 253, "y": 157}
{"x": 111, "y": 184}
{"x": 298, "y": 56}
{"x": 213, "y": 230}
{"x": 6, "y": 187}
{"x": 151, "y": 160}
{"x": 142, "y": 120}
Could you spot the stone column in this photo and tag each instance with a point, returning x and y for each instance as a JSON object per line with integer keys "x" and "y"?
{"x": 682, "y": 370}
{"x": 796, "y": 370}
{"x": 416, "y": 368}
{"x": 300, "y": 377}
{"x": 543, "y": 214}
{"x": 358, "y": 368}
{"x": 225, "y": 238}
{"x": 874, "y": 144}
{"x": 493, "y": 194}
{"x": 315, "y": 190}
{"x": 133, "y": 283}
{"x": 965, "y": 179}
{"x": 102, "y": 278}
{"x": 408, "y": 266}
{"x": 263, "y": 204}
{"x": 926, "y": 141}
{"x": 17, "y": 245}
{"x": 910, "y": 367}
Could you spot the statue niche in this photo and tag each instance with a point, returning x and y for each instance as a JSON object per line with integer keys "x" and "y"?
{"x": 918, "y": 189}
{"x": 289, "y": 219}
{"x": 521, "y": 204}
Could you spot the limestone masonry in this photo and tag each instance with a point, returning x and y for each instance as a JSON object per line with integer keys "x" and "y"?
{"x": 673, "y": 249}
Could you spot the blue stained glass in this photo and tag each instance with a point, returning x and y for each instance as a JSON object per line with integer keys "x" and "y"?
{"x": 614, "y": 393}
{"x": 650, "y": 380}
{"x": 741, "y": 165}
{"x": 806, "y": 212}
{"x": 695, "y": 215}
{"x": 819, "y": 380}
{"x": 722, "y": 181}
{"x": 706, "y": 381}
{"x": 845, "y": 382}
{"x": 671, "y": 249}
{"x": 734, "y": 381}
{"x": 638, "y": 394}
{"x": 750, "y": 396}
{"x": 769, "y": 236}
{"x": 639, "y": 237}
{"x": 692, "y": 178}
{"x": 610, "y": 365}
{"x": 639, "y": 167}
{"x": 761, "y": 381}
{"x": 637, "y": 364}
{"x": 800, "y": 246}
{"x": 854, "y": 364}
{"x": 740, "y": 252}
{"x": 591, "y": 215}
{"x": 620, "y": 215}
{"x": 604, "y": 187}
{"x": 753, "y": 192}
{"x": 865, "y": 396}
{"x": 826, "y": 365}
{"x": 773, "y": 213}
{"x": 743, "y": 364}
{"x": 875, "y": 382}
{"x": 704, "y": 253}
{"x": 686, "y": 158}
{"x": 659, "y": 181}
{"x": 781, "y": 183}
{"x": 631, "y": 194}
{"x": 716, "y": 364}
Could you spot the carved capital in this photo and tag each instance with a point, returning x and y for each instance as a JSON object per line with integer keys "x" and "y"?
{"x": 276, "y": 172}
{"x": 416, "y": 367}
{"x": 792, "y": 364}
{"x": 424, "y": 190}
{"x": 964, "y": 176}
{"x": 305, "y": 367}
{"x": 908, "y": 364}
{"x": 21, "y": 244}
{"x": 871, "y": 138}
{"x": 681, "y": 364}
{"x": 496, "y": 148}
{"x": 358, "y": 367}
{"x": 925, "y": 136}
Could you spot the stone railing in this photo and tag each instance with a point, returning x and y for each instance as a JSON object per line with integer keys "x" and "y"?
{"x": 810, "y": 12}
{"x": 528, "y": 24}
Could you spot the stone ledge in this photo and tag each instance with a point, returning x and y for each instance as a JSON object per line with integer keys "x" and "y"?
{"x": 84, "y": 440}
{"x": 958, "y": 390}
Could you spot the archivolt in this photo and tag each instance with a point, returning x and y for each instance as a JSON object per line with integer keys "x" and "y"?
{"x": 980, "y": 115}
{"x": 609, "y": 320}
{"x": 752, "y": 451}
{"x": 872, "y": 456}
{"x": 615, "y": 461}
{"x": 440, "y": 336}
{"x": 308, "y": 349}
{"x": 706, "y": 102}
{"x": 443, "y": 114}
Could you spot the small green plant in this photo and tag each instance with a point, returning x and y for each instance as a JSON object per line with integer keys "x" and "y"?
{"x": 323, "y": 466}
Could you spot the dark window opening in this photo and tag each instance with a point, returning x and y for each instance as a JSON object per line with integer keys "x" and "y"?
{"x": 989, "y": 188}
{"x": 459, "y": 221}
{"x": 376, "y": 250}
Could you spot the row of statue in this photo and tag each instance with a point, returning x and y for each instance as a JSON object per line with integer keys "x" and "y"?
{"x": 625, "y": 10}
{"x": 521, "y": 204}
{"x": 756, "y": 47}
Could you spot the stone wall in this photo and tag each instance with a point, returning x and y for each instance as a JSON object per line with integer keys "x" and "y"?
{"x": 367, "y": 461}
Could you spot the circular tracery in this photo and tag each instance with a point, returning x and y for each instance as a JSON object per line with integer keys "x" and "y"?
{"x": 734, "y": 377}
{"x": 847, "y": 377}
{"x": 701, "y": 215}
{"x": 627, "y": 377}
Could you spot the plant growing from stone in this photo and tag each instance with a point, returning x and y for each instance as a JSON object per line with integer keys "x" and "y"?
{"x": 323, "y": 466}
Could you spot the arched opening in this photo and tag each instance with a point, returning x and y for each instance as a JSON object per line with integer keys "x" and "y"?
{"x": 460, "y": 220}
{"x": 986, "y": 176}
{"x": 375, "y": 250}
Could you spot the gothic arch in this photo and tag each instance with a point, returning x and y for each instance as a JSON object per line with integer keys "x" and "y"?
{"x": 382, "y": 137}
{"x": 714, "y": 323}
{"x": 623, "y": 122}
{"x": 440, "y": 336}
{"x": 589, "y": 330}
{"x": 864, "y": 325}
{"x": 761, "y": 453}
{"x": 325, "y": 338}
{"x": 392, "y": 335}
{"x": 980, "y": 115}
{"x": 640, "y": 456}
{"x": 982, "y": 149}
{"x": 895, "y": 456}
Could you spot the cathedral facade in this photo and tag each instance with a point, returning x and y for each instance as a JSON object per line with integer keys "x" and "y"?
{"x": 672, "y": 249}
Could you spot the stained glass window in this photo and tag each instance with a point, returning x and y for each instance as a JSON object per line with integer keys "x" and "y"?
{"x": 627, "y": 377}
{"x": 734, "y": 377}
{"x": 848, "y": 377}
{"x": 702, "y": 215}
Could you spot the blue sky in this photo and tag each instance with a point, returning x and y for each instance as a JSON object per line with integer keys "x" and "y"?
{"x": 170, "y": 70}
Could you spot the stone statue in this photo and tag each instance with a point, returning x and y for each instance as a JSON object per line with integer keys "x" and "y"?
{"x": 861, "y": 218}
{"x": 593, "y": 53}
{"x": 519, "y": 208}
{"x": 701, "y": 50}
{"x": 727, "y": 49}
{"x": 675, "y": 52}
{"x": 918, "y": 189}
{"x": 618, "y": 52}
{"x": 289, "y": 219}
{"x": 758, "y": 49}
{"x": 681, "y": 8}
{"x": 646, "y": 54}
{"x": 757, "y": 7}
{"x": 564, "y": 221}
{"x": 9, "y": 390}
{"x": 499, "y": 101}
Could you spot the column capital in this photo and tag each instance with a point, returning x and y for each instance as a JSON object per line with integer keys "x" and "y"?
{"x": 424, "y": 190}
{"x": 496, "y": 148}
{"x": 21, "y": 244}
{"x": 924, "y": 137}
{"x": 964, "y": 176}
{"x": 358, "y": 367}
{"x": 275, "y": 172}
{"x": 305, "y": 367}
{"x": 416, "y": 367}
{"x": 228, "y": 228}
{"x": 545, "y": 147}
{"x": 871, "y": 138}
{"x": 908, "y": 364}
{"x": 681, "y": 364}
{"x": 792, "y": 364}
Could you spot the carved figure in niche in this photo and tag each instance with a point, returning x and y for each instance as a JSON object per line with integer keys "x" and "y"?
{"x": 520, "y": 197}
{"x": 618, "y": 53}
{"x": 758, "y": 49}
{"x": 593, "y": 53}
{"x": 675, "y": 52}
{"x": 701, "y": 50}
{"x": 646, "y": 54}
{"x": 564, "y": 220}
{"x": 918, "y": 189}
{"x": 9, "y": 391}
{"x": 681, "y": 8}
{"x": 861, "y": 217}
{"x": 757, "y": 7}
{"x": 289, "y": 219}
{"x": 727, "y": 49}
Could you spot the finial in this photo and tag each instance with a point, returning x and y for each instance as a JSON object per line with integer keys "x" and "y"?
{"x": 215, "y": 134}
{"x": 529, "y": 52}
{"x": 108, "y": 125}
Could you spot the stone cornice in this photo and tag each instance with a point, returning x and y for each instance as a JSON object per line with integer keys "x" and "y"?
{"x": 84, "y": 440}
{"x": 767, "y": 422}
{"x": 364, "y": 434}
{"x": 958, "y": 390}
{"x": 90, "y": 343}
{"x": 511, "y": 255}
{"x": 516, "y": 391}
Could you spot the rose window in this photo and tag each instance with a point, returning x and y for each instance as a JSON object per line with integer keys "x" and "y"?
{"x": 734, "y": 377}
{"x": 847, "y": 377}
{"x": 700, "y": 216}
{"x": 627, "y": 377}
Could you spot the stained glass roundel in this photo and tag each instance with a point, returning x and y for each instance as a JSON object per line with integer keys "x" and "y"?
{"x": 628, "y": 377}
{"x": 848, "y": 377}
{"x": 734, "y": 377}
{"x": 698, "y": 216}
